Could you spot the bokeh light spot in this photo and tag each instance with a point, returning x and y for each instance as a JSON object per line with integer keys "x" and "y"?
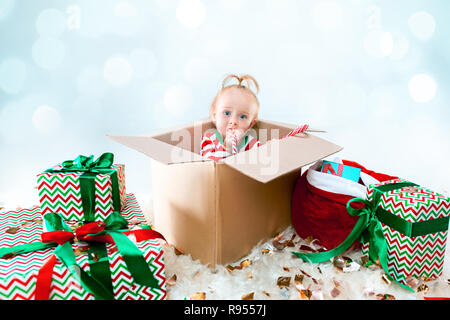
{"x": 191, "y": 13}
{"x": 177, "y": 99}
{"x": 51, "y": 23}
{"x": 46, "y": 119}
{"x": 400, "y": 45}
{"x": 422, "y": 88}
{"x": 117, "y": 71}
{"x": 422, "y": 25}
{"x": 386, "y": 44}
{"x": 372, "y": 43}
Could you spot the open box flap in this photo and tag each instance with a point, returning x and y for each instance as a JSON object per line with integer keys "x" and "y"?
{"x": 158, "y": 150}
{"x": 278, "y": 157}
{"x": 202, "y": 123}
{"x": 182, "y": 144}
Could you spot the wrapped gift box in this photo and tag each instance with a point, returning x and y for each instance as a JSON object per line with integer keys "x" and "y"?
{"x": 414, "y": 248}
{"x": 341, "y": 170}
{"x": 61, "y": 192}
{"x": 18, "y": 274}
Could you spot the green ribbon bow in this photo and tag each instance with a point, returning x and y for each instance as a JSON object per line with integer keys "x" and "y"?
{"x": 368, "y": 228}
{"x": 90, "y": 169}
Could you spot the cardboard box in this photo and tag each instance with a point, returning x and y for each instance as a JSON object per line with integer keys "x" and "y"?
{"x": 218, "y": 211}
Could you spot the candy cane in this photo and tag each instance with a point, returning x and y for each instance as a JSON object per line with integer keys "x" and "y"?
{"x": 303, "y": 128}
{"x": 297, "y": 131}
{"x": 234, "y": 144}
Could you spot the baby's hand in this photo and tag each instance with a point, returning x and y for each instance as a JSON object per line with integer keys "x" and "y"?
{"x": 229, "y": 137}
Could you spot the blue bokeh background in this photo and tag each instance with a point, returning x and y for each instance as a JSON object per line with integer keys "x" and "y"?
{"x": 373, "y": 74}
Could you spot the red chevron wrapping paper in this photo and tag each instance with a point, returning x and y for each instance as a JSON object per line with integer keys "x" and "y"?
{"x": 18, "y": 274}
{"x": 420, "y": 256}
{"x": 60, "y": 192}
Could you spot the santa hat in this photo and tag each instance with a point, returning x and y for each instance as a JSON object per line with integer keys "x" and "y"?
{"x": 319, "y": 202}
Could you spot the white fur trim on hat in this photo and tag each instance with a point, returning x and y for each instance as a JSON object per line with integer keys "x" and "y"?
{"x": 335, "y": 184}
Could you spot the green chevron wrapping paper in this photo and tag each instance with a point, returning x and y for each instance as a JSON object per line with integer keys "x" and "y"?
{"x": 18, "y": 274}
{"x": 61, "y": 192}
{"x": 416, "y": 256}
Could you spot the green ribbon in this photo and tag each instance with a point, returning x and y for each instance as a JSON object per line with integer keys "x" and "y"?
{"x": 368, "y": 228}
{"x": 99, "y": 264}
{"x": 90, "y": 169}
{"x": 91, "y": 284}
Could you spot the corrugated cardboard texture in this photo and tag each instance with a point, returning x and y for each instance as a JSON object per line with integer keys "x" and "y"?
{"x": 188, "y": 137}
{"x": 283, "y": 129}
{"x": 277, "y": 157}
{"x": 184, "y": 207}
{"x": 249, "y": 211}
{"x": 157, "y": 149}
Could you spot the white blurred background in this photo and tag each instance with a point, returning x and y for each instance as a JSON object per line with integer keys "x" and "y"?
{"x": 373, "y": 74}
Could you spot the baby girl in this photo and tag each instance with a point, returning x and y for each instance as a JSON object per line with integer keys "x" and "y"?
{"x": 234, "y": 111}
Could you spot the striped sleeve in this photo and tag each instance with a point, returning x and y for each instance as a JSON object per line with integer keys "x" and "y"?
{"x": 207, "y": 146}
{"x": 212, "y": 149}
{"x": 252, "y": 143}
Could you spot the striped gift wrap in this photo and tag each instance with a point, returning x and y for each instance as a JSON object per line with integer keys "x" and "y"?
{"x": 416, "y": 256}
{"x": 61, "y": 193}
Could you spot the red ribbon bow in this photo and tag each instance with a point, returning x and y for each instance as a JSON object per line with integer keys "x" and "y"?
{"x": 81, "y": 233}
{"x": 86, "y": 232}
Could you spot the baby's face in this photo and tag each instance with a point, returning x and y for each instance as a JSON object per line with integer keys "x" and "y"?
{"x": 235, "y": 109}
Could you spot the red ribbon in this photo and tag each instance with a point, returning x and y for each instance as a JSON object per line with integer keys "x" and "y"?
{"x": 60, "y": 237}
{"x": 44, "y": 279}
{"x": 85, "y": 233}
